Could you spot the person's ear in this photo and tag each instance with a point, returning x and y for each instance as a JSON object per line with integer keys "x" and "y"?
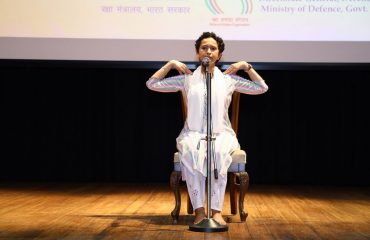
{"x": 219, "y": 56}
{"x": 197, "y": 55}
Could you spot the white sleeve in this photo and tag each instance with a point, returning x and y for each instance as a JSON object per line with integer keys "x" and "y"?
{"x": 171, "y": 84}
{"x": 246, "y": 86}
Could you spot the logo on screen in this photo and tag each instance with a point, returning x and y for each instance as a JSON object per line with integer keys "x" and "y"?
{"x": 245, "y": 7}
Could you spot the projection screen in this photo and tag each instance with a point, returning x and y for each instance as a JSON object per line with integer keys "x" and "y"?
{"x": 335, "y": 31}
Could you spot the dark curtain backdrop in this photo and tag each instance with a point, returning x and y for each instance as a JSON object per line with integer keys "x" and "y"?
{"x": 83, "y": 122}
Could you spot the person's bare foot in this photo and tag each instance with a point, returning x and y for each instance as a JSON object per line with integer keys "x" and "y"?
{"x": 217, "y": 216}
{"x": 200, "y": 214}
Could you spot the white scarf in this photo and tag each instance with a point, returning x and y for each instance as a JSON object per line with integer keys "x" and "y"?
{"x": 195, "y": 88}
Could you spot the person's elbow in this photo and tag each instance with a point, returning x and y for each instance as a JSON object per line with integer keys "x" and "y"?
{"x": 150, "y": 84}
{"x": 264, "y": 89}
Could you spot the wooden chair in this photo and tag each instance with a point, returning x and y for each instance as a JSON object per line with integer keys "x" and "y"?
{"x": 238, "y": 179}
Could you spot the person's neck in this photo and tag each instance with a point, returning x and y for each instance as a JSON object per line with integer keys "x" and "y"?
{"x": 211, "y": 69}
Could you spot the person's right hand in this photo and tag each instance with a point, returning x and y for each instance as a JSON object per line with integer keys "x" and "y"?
{"x": 180, "y": 67}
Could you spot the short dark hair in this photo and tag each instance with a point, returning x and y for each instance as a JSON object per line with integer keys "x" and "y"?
{"x": 220, "y": 42}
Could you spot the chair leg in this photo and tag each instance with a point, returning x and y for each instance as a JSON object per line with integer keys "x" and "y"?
{"x": 244, "y": 184}
{"x": 232, "y": 185}
{"x": 190, "y": 206}
{"x": 175, "y": 186}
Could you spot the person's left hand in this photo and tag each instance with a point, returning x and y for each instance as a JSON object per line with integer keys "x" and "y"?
{"x": 242, "y": 65}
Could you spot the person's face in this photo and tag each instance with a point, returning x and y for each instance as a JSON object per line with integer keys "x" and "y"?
{"x": 209, "y": 48}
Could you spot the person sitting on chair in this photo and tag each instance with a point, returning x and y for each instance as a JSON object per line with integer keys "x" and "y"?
{"x": 190, "y": 143}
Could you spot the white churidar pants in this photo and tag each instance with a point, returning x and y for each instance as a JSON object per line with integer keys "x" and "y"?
{"x": 196, "y": 188}
{"x": 194, "y": 166}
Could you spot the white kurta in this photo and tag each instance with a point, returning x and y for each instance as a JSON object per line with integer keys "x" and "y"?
{"x": 192, "y": 150}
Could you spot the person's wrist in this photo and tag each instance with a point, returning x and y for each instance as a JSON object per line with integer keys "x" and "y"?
{"x": 167, "y": 66}
{"x": 171, "y": 63}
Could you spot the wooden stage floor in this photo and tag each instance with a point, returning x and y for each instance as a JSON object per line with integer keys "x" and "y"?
{"x": 123, "y": 211}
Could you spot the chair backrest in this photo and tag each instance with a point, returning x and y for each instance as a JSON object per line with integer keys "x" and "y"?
{"x": 234, "y": 110}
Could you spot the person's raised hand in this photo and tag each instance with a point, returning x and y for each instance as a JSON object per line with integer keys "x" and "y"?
{"x": 242, "y": 65}
{"x": 180, "y": 67}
